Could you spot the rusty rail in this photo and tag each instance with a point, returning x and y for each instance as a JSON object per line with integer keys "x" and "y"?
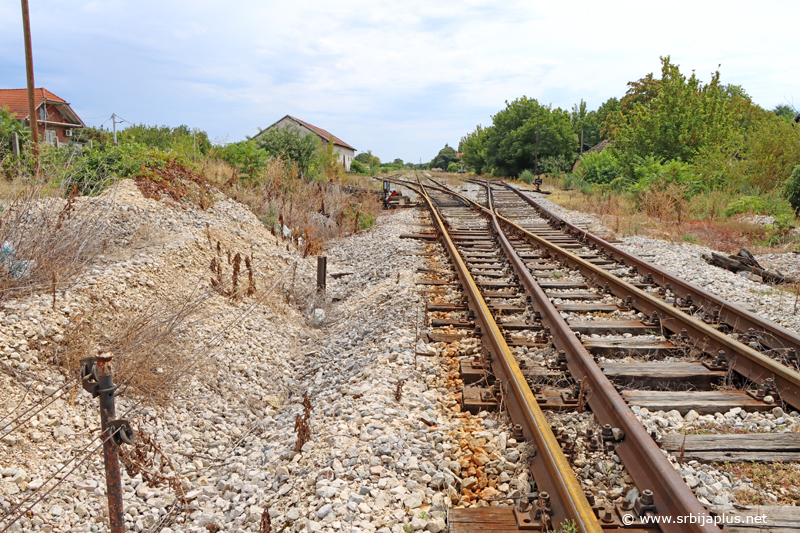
{"x": 644, "y": 460}
{"x": 550, "y": 467}
{"x": 745, "y": 360}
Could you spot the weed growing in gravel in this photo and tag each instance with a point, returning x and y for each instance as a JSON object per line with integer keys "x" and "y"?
{"x": 46, "y": 243}
{"x": 783, "y": 480}
{"x": 302, "y": 426}
{"x": 567, "y": 526}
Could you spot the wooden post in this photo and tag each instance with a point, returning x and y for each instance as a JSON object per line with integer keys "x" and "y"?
{"x": 34, "y": 125}
{"x": 322, "y": 272}
{"x": 15, "y": 144}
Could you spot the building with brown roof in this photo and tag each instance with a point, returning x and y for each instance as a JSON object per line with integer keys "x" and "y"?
{"x": 346, "y": 153}
{"x": 597, "y": 148}
{"x": 55, "y": 117}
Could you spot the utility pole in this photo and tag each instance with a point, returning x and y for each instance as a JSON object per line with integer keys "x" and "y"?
{"x": 114, "y": 126}
{"x": 34, "y": 125}
{"x": 536, "y": 155}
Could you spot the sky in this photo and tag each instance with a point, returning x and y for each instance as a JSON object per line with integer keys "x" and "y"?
{"x": 398, "y": 78}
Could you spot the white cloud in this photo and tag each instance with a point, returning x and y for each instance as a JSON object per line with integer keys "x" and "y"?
{"x": 400, "y": 78}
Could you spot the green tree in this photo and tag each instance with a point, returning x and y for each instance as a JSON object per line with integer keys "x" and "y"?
{"x": 453, "y": 167}
{"x": 445, "y": 156}
{"x": 607, "y": 109}
{"x": 587, "y": 123}
{"x": 511, "y": 145}
{"x": 674, "y": 117}
{"x": 9, "y": 125}
{"x": 367, "y": 158}
{"x": 786, "y": 112}
{"x": 398, "y": 161}
{"x": 289, "y": 144}
{"x": 473, "y": 149}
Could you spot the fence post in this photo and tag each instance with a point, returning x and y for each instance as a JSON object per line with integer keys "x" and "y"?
{"x": 97, "y": 375}
{"x": 15, "y": 144}
{"x": 322, "y": 272}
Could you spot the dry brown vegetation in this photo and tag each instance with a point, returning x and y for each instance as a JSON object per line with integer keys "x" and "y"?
{"x": 312, "y": 211}
{"x": 666, "y": 214}
{"x": 45, "y": 241}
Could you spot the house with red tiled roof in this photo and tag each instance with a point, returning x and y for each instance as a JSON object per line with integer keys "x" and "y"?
{"x": 55, "y": 117}
{"x": 346, "y": 153}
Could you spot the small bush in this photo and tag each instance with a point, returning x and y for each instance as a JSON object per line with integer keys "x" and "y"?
{"x": 772, "y": 205}
{"x": 357, "y": 167}
{"x": 453, "y": 167}
{"x": 527, "y": 176}
{"x": 791, "y": 189}
{"x": 599, "y": 167}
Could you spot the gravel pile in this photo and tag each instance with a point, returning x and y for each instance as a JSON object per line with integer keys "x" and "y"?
{"x": 389, "y": 446}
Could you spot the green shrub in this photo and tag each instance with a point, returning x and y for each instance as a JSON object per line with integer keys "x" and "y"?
{"x": 649, "y": 173}
{"x": 599, "y": 167}
{"x": 357, "y": 167}
{"x": 554, "y": 165}
{"x": 248, "y": 158}
{"x": 791, "y": 189}
{"x": 527, "y": 176}
{"x": 453, "y": 167}
{"x": 102, "y": 167}
{"x": 770, "y": 204}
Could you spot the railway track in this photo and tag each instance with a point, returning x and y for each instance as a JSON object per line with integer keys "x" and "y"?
{"x": 570, "y": 324}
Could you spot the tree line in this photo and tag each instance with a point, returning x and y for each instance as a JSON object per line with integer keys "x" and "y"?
{"x": 672, "y": 128}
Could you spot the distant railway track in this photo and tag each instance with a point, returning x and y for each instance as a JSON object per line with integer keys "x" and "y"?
{"x": 523, "y": 270}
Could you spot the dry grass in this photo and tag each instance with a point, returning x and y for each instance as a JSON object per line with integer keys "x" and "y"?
{"x": 665, "y": 214}
{"x": 312, "y": 211}
{"x": 46, "y": 242}
{"x": 151, "y": 348}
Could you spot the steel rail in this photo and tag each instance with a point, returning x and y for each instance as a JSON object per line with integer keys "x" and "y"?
{"x": 746, "y": 361}
{"x": 551, "y": 469}
{"x": 644, "y": 460}
{"x": 735, "y": 316}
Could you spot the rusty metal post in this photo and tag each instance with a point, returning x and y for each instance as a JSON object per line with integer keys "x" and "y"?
{"x": 34, "y": 125}
{"x": 322, "y": 272}
{"x": 106, "y": 388}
